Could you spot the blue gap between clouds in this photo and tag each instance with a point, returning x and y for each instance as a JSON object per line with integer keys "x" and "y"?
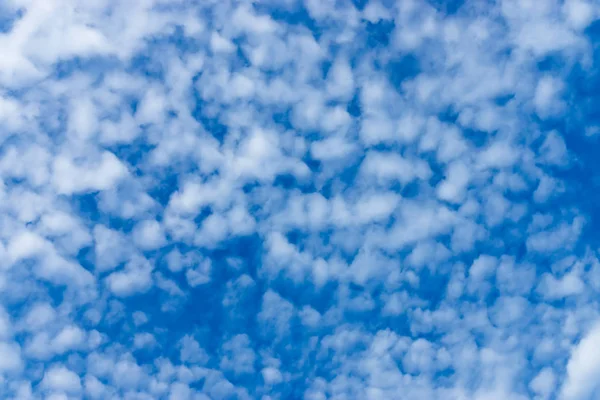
{"x": 448, "y": 7}
{"x": 378, "y": 33}
{"x": 94, "y": 66}
{"x": 8, "y": 19}
{"x": 294, "y": 16}
{"x": 581, "y": 177}
{"x": 202, "y": 311}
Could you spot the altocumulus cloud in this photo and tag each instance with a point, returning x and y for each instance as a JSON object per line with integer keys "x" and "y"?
{"x": 299, "y": 199}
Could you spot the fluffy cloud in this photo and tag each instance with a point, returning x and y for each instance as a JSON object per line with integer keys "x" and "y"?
{"x": 582, "y": 367}
{"x": 298, "y": 199}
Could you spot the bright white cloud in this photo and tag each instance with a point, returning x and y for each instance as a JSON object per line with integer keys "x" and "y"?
{"x": 582, "y": 368}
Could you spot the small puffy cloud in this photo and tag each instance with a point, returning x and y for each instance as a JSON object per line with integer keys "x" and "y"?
{"x": 390, "y": 167}
{"x": 560, "y": 236}
{"x": 553, "y": 150}
{"x": 276, "y": 313}
{"x": 310, "y": 317}
{"x": 271, "y": 376}
{"x": 127, "y": 374}
{"x": 509, "y": 310}
{"x": 375, "y": 207}
{"x": 481, "y": 269}
{"x": 546, "y": 189}
{"x": 420, "y": 357}
{"x": 60, "y": 378}
{"x": 499, "y": 154}
{"x": 191, "y": 352}
{"x": 69, "y": 338}
{"x": 144, "y": 340}
{"x": 71, "y": 177}
{"x": 135, "y": 277}
{"x": 220, "y": 44}
{"x": 580, "y": 13}
{"x": 547, "y": 99}
{"x": 11, "y": 360}
{"x": 110, "y": 247}
{"x": 340, "y": 80}
{"x": 239, "y": 356}
{"x": 453, "y": 187}
{"x": 544, "y": 383}
{"x": 26, "y": 244}
{"x": 554, "y": 288}
{"x": 93, "y": 387}
{"x": 199, "y": 274}
{"x": 149, "y": 235}
{"x": 213, "y": 230}
{"x": 541, "y": 37}
{"x": 334, "y": 147}
{"x": 139, "y": 318}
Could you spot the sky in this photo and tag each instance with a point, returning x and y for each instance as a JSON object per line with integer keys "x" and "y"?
{"x": 300, "y": 199}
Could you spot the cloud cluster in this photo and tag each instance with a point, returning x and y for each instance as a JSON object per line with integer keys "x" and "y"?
{"x": 299, "y": 199}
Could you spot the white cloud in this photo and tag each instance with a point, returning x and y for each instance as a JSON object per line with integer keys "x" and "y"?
{"x": 271, "y": 376}
{"x": 191, "y": 352}
{"x": 220, "y": 44}
{"x": 276, "y": 313}
{"x": 50, "y": 265}
{"x": 135, "y": 277}
{"x": 546, "y": 189}
{"x": 375, "y": 207}
{"x": 26, "y": 244}
{"x": 583, "y": 367}
{"x": 214, "y": 229}
{"x": 144, "y": 340}
{"x": 453, "y": 188}
{"x": 340, "y": 80}
{"x": 93, "y": 387}
{"x": 139, "y": 318}
{"x": 127, "y": 374}
{"x": 557, "y": 288}
{"x": 149, "y": 235}
{"x": 71, "y": 177}
{"x": 331, "y": 148}
{"x": 389, "y": 167}
{"x": 554, "y": 150}
{"x": 110, "y": 247}
{"x": 11, "y": 360}
{"x": 239, "y": 356}
{"x": 38, "y": 316}
{"x": 547, "y": 97}
{"x": 199, "y": 274}
{"x": 69, "y": 338}
{"x": 499, "y": 154}
{"x": 61, "y": 378}
{"x": 363, "y": 173}
{"x": 481, "y": 269}
{"x": 563, "y": 235}
{"x": 544, "y": 383}
{"x": 579, "y": 13}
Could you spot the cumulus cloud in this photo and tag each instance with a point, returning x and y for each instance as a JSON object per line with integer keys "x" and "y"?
{"x": 582, "y": 367}
{"x": 298, "y": 199}
{"x": 59, "y": 378}
{"x": 70, "y": 177}
{"x": 135, "y": 277}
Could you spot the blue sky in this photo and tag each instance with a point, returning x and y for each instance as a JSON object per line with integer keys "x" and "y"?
{"x": 299, "y": 199}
